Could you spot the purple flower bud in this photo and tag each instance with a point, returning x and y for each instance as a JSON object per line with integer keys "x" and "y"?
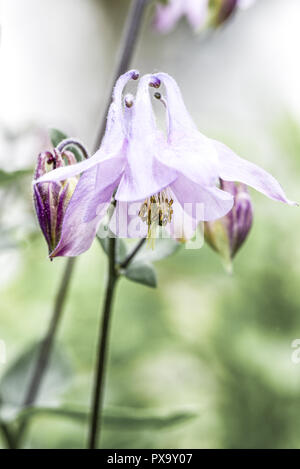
{"x": 227, "y": 234}
{"x": 51, "y": 198}
{"x": 221, "y": 10}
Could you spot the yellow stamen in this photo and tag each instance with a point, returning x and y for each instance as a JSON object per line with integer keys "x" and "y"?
{"x": 156, "y": 211}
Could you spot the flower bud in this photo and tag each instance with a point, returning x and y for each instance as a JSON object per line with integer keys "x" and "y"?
{"x": 222, "y": 10}
{"x": 227, "y": 234}
{"x": 52, "y": 198}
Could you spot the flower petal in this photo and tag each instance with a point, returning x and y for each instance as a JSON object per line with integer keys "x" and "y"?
{"x": 196, "y": 12}
{"x": 125, "y": 221}
{"x": 77, "y": 235}
{"x": 234, "y": 168}
{"x": 189, "y": 151}
{"x": 167, "y": 15}
{"x": 201, "y": 203}
{"x": 113, "y": 140}
{"x": 144, "y": 174}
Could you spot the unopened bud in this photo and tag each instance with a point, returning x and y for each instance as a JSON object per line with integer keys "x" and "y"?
{"x": 227, "y": 234}
{"x": 52, "y": 198}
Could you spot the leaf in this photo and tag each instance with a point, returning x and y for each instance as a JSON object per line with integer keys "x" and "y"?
{"x": 15, "y": 381}
{"x": 56, "y": 136}
{"x": 118, "y": 418}
{"x": 163, "y": 247}
{"x": 137, "y": 419}
{"x": 141, "y": 272}
{"x": 14, "y": 176}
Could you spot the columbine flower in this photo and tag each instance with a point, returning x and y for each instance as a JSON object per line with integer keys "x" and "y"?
{"x": 156, "y": 180}
{"x": 52, "y": 198}
{"x": 227, "y": 234}
{"x": 167, "y": 15}
{"x": 197, "y": 12}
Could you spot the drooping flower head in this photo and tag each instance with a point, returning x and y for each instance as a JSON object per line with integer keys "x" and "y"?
{"x": 167, "y": 15}
{"x": 198, "y": 13}
{"x": 157, "y": 180}
{"x": 227, "y": 234}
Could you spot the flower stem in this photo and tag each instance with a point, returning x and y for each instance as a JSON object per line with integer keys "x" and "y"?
{"x": 130, "y": 256}
{"x": 8, "y": 436}
{"x": 130, "y": 35}
{"x": 94, "y": 431}
{"x": 47, "y": 343}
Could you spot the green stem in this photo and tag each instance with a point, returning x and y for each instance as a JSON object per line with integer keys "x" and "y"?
{"x": 133, "y": 253}
{"x": 47, "y": 343}
{"x": 97, "y": 401}
{"x": 8, "y": 436}
{"x": 130, "y": 35}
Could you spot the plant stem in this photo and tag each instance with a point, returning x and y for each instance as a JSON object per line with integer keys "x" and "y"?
{"x": 47, "y": 343}
{"x": 130, "y": 35}
{"x": 8, "y": 436}
{"x": 97, "y": 401}
{"x": 133, "y": 253}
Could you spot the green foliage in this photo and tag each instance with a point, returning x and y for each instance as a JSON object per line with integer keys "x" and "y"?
{"x": 120, "y": 418}
{"x": 7, "y": 178}
{"x": 141, "y": 272}
{"x": 15, "y": 381}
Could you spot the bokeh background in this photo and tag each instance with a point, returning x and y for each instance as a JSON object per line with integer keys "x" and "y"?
{"x": 214, "y": 345}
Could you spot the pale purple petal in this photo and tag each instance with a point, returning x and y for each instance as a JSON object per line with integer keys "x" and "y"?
{"x": 182, "y": 226}
{"x": 144, "y": 173}
{"x": 116, "y": 122}
{"x": 167, "y": 15}
{"x": 65, "y": 172}
{"x": 77, "y": 235}
{"x": 201, "y": 203}
{"x": 234, "y": 168}
{"x": 196, "y": 12}
{"x": 189, "y": 151}
{"x": 113, "y": 140}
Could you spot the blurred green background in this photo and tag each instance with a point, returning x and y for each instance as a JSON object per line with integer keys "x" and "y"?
{"x": 214, "y": 345}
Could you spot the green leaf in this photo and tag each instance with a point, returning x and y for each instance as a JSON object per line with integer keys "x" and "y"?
{"x": 15, "y": 381}
{"x": 163, "y": 247}
{"x": 56, "y": 136}
{"x": 14, "y": 176}
{"x": 139, "y": 419}
{"x": 118, "y": 418}
{"x": 141, "y": 272}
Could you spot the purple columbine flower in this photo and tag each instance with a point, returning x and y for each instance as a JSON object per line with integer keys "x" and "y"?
{"x": 167, "y": 16}
{"x": 156, "y": 179}
{"x": 227, "y": 234}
